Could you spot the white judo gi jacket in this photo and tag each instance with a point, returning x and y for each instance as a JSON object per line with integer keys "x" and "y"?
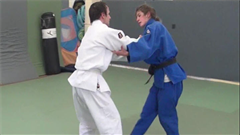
{"x": 95, "y": 55}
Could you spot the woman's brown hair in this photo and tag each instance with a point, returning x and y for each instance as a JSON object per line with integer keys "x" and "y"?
{"x": 145, "y": 9}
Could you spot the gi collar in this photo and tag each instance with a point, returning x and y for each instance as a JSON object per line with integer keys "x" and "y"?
{"x": 150, "y": 21}
{"x": 98, "y": 22}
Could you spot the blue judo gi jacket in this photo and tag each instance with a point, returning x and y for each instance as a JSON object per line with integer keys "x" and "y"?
{"x": 155, "y": 47}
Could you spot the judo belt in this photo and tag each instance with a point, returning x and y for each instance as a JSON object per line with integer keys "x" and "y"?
{"x": 152, "y": 68}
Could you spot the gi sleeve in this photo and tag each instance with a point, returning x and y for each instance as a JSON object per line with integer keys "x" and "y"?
{"x": 114, "y": 39}
{"x": 144, "y": 47}
{"x": 123, "y": 58}
{"x": 119, "y": 58}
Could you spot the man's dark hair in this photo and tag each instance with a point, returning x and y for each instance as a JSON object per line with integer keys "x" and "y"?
{"x": 96, "y": 10}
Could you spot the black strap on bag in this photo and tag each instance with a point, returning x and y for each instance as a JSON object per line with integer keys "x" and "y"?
{"x": 152, "y": 68}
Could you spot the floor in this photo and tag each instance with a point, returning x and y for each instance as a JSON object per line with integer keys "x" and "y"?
{"x": 45, "y": 106}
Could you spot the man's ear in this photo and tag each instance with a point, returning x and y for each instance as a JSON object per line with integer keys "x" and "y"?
{"x": 102, "y": 15}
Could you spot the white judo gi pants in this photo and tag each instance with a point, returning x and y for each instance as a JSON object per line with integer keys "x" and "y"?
{"x": 96, "y": 113}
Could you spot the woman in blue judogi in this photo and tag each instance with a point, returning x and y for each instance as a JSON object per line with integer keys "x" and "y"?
{"x": 157, "y": 48}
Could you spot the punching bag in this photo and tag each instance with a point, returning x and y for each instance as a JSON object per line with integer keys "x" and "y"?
{"x": 49, "y": 43}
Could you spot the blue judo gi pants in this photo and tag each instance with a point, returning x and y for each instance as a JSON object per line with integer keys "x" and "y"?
{"x": 161, "y": 102}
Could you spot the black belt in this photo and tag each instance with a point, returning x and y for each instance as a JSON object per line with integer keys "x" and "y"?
{"x": 152, "y": 68}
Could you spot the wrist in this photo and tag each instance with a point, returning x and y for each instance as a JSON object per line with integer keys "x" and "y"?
{"x": 127, "y": 54}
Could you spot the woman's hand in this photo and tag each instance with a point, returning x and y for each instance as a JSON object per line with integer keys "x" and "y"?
{"x": 122, "y": 52}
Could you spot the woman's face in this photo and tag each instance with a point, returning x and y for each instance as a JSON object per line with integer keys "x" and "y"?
{"x": 141, "y": 18}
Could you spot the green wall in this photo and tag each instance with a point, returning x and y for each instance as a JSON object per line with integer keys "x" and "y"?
{"x": 35, "y": 9}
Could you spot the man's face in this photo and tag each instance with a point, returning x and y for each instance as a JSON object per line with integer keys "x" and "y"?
{"x": 106, "y": 18}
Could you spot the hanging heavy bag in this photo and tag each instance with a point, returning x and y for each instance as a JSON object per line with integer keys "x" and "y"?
{"x": 49, "y": 43}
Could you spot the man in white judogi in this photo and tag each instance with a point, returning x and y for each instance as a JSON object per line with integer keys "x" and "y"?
{"x": 94, "y": 107}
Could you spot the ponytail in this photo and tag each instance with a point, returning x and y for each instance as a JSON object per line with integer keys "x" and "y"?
{"x": 154, "y": 14}
{"x": 156, "y": 18}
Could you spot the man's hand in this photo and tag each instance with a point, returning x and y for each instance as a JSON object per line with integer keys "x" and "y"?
{"x": 122, "y": 52}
